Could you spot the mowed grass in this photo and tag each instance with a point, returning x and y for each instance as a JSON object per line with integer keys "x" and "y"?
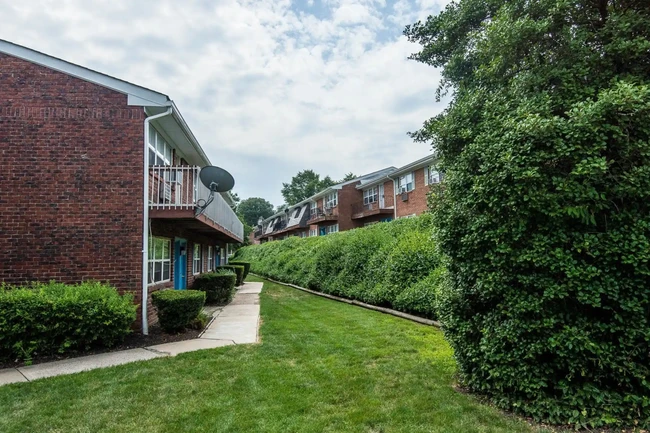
{"x": 323, "y": 366}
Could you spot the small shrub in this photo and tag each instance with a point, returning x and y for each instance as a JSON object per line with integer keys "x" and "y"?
{"x": 177, "y": 309}
{"x": 49, "y": 318}
{"x": 219, "y": 286}
{"x": 246, "y": 265}
{"x": 238, "y": 270}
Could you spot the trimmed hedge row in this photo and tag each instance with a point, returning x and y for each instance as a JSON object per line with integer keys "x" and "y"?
{"x": 49, "y": 318}
{"x": 246, "y": 265}
{"x": 392, "y": 264}
{"x": 219, "y": 286}
{"x": 238, "y": 270}
{"x": 177, "y": 309}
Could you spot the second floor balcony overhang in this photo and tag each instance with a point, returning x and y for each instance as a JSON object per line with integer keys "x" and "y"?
{"x": 175, "y": 192}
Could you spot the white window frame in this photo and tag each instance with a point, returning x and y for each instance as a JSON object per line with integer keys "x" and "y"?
{"x": 160, "y": 148}
{"x": 313, "y": 232}
{"x": 334, "y": 228}
{"x": 331, "y": 200}
{"x": 159, "y": 244}
{"x": 370, "y": 195}
{"x": 431, "y": 176}
{"x": 210, "y": 258}
{"x": 406, "y": 183}
{"x": 197, "y": 259}
{"x": 312, "y": 208}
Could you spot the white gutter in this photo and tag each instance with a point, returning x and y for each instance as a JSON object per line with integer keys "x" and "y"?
{"x": 145, "y": 221}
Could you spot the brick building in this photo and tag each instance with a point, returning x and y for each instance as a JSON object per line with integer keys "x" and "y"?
{"x": 376, "y": 197}
{"x": 99, "y": 181}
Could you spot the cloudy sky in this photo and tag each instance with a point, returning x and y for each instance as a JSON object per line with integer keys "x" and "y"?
{"x": 269, "y": 87}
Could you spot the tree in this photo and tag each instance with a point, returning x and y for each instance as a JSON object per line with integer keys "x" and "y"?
{"x": 348, "y": 176}
{"x": 251, "y": 209}
{"x": 280, "y": 208}
{"x": 304, "y": 184}
{"x": 545, "y": 215}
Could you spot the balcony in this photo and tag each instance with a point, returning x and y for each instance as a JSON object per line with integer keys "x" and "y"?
{"x": 365, "y": 210}
{"x": 322, "y": 214}
{"x": 175, "y": 191}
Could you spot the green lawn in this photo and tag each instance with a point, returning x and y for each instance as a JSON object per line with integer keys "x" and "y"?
{"x": 323, "y": 366}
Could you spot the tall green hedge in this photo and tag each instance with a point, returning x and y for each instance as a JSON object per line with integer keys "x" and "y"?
{"x": 47, "y": 318}
{"x": 388, "y": 264}
{"x": 545, "y": 213}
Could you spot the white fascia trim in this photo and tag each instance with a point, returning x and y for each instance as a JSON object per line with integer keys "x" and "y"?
{"x": 420, "y": 163}
{"x": 189, "y": 134}
{"x": 138, "y": 95}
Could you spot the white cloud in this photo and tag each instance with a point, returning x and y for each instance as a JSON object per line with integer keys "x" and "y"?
{"x": 329, "y": 90}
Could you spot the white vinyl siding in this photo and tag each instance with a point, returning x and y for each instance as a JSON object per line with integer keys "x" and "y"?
{"x": 159, "y": 260}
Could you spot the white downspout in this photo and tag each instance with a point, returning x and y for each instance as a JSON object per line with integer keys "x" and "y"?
{"x": 145, "y": 221}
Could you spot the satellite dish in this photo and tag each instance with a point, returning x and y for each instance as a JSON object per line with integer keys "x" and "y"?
{"x": 216, "y": 179}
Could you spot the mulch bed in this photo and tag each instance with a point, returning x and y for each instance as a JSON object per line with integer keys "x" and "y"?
{"x": 132, "y": 341}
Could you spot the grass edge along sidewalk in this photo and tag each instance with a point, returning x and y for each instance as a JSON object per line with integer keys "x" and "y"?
{"x": 392, "y": 312}
{"x": 322, "y": 367}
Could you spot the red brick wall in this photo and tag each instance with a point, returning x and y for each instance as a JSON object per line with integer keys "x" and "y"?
{"x": 71, "y": 179}
{"x": 417, "y": 199}
{"x": 348, "y": 195}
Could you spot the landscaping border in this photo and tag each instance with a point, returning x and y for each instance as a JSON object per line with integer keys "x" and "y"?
{"x": 406, "y": 316}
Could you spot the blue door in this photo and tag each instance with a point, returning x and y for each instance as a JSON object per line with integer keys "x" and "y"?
{"x": 180, "y": 264}
{"x": 322, "y": 231}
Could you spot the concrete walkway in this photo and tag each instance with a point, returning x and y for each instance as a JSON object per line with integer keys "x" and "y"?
{"x": 236, "y": 323}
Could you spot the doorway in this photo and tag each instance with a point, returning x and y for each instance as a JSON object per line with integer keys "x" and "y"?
{"x": 180, "y": 264}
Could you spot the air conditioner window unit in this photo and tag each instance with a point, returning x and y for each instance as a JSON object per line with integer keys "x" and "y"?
{"x": 405, "y": 196}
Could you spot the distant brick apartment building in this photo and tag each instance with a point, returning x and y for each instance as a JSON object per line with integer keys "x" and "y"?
{"x": 99, "y": 181}
{"x": 380, "y": 196}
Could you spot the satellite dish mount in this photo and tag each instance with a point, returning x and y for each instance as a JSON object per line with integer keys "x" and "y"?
{"x": 216, "y": 180}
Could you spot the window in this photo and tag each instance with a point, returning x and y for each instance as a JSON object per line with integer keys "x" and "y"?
{"x": 431, "y": 176}
{"x": 196, "y": 263}
{"x": 160, "y": 152}
{"x": 210, "y": 260}
{"x": 312, "y": 208}
{"x": 303, "y": 234}
{"x": 371, "y": 195}
{"x": 159, "y": 260}
{"x": 332, "y": 229}
{"x": 405, "y": 183}
{"x": 313, "y": 232}
{"x": 332, "y": 199}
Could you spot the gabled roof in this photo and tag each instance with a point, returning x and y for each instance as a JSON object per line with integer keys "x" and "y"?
{"x": 137, "y": 95}
{"x": 363, "y": 179}
{"x": 153, "y": 102}
{"x": 422, "y": 162}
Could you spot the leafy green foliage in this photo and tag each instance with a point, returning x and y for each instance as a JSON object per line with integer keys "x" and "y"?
{"x": 303, "y": 185}
{"x": 219, "y": 286}
{"x": 246, "y": 265}
{"x": 385, "y": 264}
{"x": 238, "y": 270}
{"x": 545, "y": 213}
{"x": 251, "y": 209}
{"x": 49, "y": 318}
{"x": 177, "y": 309}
